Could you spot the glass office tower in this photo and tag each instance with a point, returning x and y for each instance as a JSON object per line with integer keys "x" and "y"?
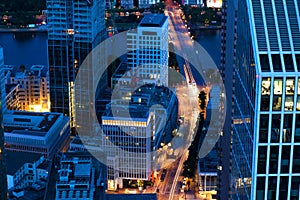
{"x": 228, "y": 46}
{"x": 265, "y": 139}
{"x": 75, "y": 27}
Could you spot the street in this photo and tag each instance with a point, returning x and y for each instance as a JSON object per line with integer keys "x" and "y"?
{"x": 188, "y": 108}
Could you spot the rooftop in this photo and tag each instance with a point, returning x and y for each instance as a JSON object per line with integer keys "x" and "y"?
{"x": 30, "y": 123}
{"x": 15, "y": 160}
{"x": 29, "y": 194}
{"x": 34, "y": 70}
{"x": 140, "y": 103}
{"x": 153, "y": 20}
{"x": 82, "y": 170}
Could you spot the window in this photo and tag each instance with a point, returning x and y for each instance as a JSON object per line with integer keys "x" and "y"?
{"x": 298, "y": 97}
{"x": 260, "y": 188}
{"x": 289, "y": 91}
{"x": 277, "y": 97}
{"x": 283, "y": 188}
{"x": 266, "y": 84}
{"x": 278, "y": 86}
{"x": 285, "y": 159}
{"x": 298, "y": 61}
{"x": 297, "y": 129}
{"x": 290, "y": 86}
{"x": 265, "y": 90}
{"x": 275, "y": 128}
{"x": 288, "y": 62}
{"x": 262, "y": 157}
{"x": 272, "y": 188}
{"x": 296, "y": 159}
{"x": 289, "y": 103}
{"x": 295, "y": 187}
{"x": 263, "y": 130}
{"x": 273, "y": 166}
{"x": 287, "y": 128}
{"x": 276, "y": 63}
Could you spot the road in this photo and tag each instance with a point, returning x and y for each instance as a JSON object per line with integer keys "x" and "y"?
{"x": 188, "y": 105}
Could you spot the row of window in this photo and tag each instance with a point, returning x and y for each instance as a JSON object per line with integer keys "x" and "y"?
{"x": 276, "y": 165}
{"x": 277, "y": 128}
{"x": 277, "y": 60}
{"x": 270, "y": 187}
{"x": 284, "y": 91}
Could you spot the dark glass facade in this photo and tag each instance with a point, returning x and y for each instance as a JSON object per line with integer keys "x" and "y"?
{"x": 265, "y": 158}
{"x": 76, "y": 27}
{"x": 226, "y": 65}
{"x": 244, "y": 108}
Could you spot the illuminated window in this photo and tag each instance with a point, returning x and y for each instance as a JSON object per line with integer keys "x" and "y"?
{"x": 289, "y": 103}
{"x": 277, "y": 97}
{"x": 266, "y": 84}
{"x": 278, "y": 86}
{"x": 290, "y": 86}
{"x": 265, "y": 90}
{"x": 298, "y": 98}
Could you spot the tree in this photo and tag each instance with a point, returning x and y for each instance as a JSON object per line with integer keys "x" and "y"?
{"x": 202, "y": 100}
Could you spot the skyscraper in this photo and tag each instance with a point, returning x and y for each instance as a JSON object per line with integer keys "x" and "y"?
{"x": 75, "y": 27}
{"x": 3, "y": 182}
{"x": 265, "y": 150}
{"x": 226, "y": 65}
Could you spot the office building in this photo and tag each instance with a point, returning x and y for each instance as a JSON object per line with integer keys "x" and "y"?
{"x": 81, "y": 176}
{"x": 265, "y": 150}
{"x": 43, "y": 133}
{"x": 207, "y": 3}
{"x": 193, "y": 2}
{"x": 27, "y": 90}
{"x": 148, "y": 50}
{"x": 139, "y": 134}
{"x": 90, "y": 144}
{"x": 26, "y": 170}
{"x": 208, "y": 165}
{"x": 127, "y": 4}
{"x": 74, "y": 29}
{"x": 214, "y": 3}
{"x": 3, "y": 182}
{"x": 146, "y": 3}
{"x": 228, "y": 38}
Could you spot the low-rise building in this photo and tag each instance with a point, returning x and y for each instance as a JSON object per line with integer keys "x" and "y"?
{"x": 27, "y": 89}
{"x": 43, "y": 133}
{"x": 81, "y": 176}
{"x": 27, "y": 175}
{"x": 12, "y": 97}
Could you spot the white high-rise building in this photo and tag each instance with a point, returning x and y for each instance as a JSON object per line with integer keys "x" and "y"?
{"x": 148, "y": 50}
{"x": 139, "y": 134}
